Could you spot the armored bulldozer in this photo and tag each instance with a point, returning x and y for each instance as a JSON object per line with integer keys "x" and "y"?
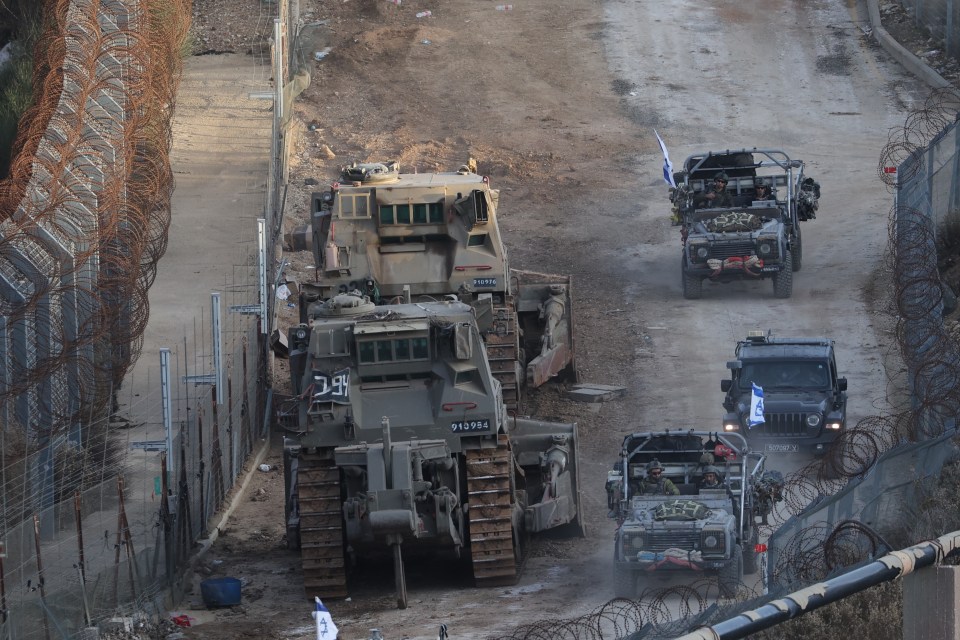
{"x": 427, "y": 235}
{"x": 804, "y": 398}
{"x": 740, "y": 214}
{"x": 683, "y": 524}
{"x": 402, "y": 440}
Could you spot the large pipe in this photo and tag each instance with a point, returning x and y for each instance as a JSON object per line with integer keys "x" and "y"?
{"x": 893, "y": 565}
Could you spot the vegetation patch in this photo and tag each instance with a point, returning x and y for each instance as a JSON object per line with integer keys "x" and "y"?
{"x": 20, "y": 22}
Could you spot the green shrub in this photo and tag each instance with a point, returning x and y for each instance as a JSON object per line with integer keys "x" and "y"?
{"x": 876, "y": 613}
{"x": 16, "y": 96}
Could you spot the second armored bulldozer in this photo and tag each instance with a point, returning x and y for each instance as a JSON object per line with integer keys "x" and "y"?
{"x": 429, "y": 235}
{"x": 402, "y": 441}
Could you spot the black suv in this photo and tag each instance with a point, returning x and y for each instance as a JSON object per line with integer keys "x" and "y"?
{"x": 804, "y": 400}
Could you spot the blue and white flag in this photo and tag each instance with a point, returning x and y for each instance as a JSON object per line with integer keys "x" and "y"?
{"x": 756, "y": 406}
{"x": 326, "y": 629}
{"x": 667, "y": 165}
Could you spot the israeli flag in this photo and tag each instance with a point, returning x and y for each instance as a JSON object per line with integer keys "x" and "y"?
{"x": 667, "y": 165}
{"x": 756, "y": 406}
{"x": 326, "y": 629}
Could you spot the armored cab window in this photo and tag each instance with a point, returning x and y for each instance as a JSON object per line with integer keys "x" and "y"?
{"x": 366, "y": 352}
{"x": 353, "y": 205}
{"x": 416, "y": 213}
{"x": 396, "y": 350}
{"x": 478, "y": 240}
{"x": 466, "y": 377}
{"x": 428, "y": 213}
{"x": 421, "y": 351}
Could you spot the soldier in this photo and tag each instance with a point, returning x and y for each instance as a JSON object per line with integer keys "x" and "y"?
{"x": 717, "y": 196}
{"x": 655, "y": 483}
{"x": 711, "y": 478}
{"x": 762, "y": 190}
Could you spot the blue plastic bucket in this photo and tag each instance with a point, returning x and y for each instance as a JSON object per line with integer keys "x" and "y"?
{"x": 220, "y": 592}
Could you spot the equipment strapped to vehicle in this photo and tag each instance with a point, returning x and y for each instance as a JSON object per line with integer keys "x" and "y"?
{"x": 680, "y": 510}
{"x": 733, "y": 221}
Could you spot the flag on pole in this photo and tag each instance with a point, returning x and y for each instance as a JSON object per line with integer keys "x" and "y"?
{"x": 326, "y": 629}
{"x": 667, "y": 165}
{"x": 756, "y": 406}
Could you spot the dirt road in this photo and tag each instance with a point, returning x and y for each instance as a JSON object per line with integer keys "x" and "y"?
{"x": 557, "y": 100}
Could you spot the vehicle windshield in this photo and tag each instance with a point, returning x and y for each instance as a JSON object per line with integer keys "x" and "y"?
{"x": 809, "y": 374}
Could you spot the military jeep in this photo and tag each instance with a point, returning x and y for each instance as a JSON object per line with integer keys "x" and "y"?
{"x": 804, "y": 398}
{"x": 749, "y": 237}
{"x": 700, "y": 530}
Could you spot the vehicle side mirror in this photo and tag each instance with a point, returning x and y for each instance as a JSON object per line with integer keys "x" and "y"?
{"x": 725, "y": 385}
{"x": 734, "y": 365}
{"x": 842, "y": 384}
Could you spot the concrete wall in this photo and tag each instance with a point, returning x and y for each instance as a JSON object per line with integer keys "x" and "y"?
{"x": 929, "y": 604}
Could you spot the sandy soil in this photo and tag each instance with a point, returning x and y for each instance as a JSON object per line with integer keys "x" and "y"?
{"x": 557, "y": 108}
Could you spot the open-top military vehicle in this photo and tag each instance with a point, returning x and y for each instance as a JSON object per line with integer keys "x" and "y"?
{"x": 711, "y": 530}
{"x": 401, "y": 437}
{"x": 746, "y": 234}
{"x": 388, "y": 234}
{"x": 804, "y": 398}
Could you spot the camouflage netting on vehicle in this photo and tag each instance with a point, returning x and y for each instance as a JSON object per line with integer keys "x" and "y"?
{"x": 733, "y": 221}
{"x": 680, "y": 510}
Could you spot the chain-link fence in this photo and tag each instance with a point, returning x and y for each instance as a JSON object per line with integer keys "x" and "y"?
{"x": 96, "y": 522}
{"x": 116, "y": 547}
{"x": 941, "y": 18}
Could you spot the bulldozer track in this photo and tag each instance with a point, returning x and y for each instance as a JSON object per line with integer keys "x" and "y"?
{"x": 490, "y": 498}
{"x": 321, "y": 526}
{"x": 503, "y": 352}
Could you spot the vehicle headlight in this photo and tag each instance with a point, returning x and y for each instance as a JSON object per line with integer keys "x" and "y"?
{"x": 833, "y": 425}
{"x": 702, "y": 253}
{"x": 813, "y": 420}
{"x": 731, "y": 426}
{"x": 764, "y": 249}
{"x": 712, "y": 541}
{"x": 634, "y": 541}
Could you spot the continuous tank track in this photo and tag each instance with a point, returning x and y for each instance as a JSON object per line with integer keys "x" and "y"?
{"x": 321, "y": 526}
{"x": 503, "y": 352}
{"x": 490, "y": 495}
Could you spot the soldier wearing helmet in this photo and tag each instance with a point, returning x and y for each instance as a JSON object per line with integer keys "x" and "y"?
{"x": 711, "y": 478}
{"x": 655, "y": 483}
{"x": 761, "y": 190}
{"x": 717, "y": 195}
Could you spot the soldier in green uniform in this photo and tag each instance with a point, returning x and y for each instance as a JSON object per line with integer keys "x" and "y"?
{"x": 717, "y": 195}
{"x": 655, "y": 483}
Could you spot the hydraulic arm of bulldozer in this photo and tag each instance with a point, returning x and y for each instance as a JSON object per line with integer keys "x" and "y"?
{"x": 545, "y": 311}
{"x": 547, "y": 452}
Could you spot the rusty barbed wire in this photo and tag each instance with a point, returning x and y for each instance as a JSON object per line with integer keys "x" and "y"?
{"x": 905, "y": 145}
{"x": 84, "y": 216}
{"x": 84, "y": 212}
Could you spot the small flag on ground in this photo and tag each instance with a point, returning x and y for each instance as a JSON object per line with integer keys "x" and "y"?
{"x": 667, "y": 165}
{"x": 756, "y": 406}
{"x": 326, "y": 629}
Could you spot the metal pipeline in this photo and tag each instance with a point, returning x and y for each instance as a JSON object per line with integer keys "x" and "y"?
{"x": 893, "y": 565}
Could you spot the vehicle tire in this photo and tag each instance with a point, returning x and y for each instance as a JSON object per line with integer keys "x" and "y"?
{"x": 783, "y": 281}
{"x": 797, "y": 250}
{"x": 624, "y": 581}
{"x": 751, "y": 562}
{"x": 692, "y": 285}
{"x": 730, "y": 577}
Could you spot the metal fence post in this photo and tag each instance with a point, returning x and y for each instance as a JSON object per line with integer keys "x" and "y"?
{"x": 166, "y": 402}
{"x": 217, "y": 345}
